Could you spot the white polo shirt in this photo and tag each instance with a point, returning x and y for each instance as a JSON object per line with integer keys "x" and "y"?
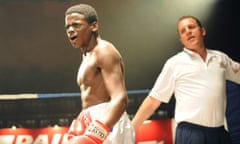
{"x": 198, "y": 86}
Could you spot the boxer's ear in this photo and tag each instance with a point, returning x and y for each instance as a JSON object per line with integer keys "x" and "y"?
{"x": 94, "y": 26}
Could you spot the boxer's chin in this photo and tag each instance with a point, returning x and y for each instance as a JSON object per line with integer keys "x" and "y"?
{"x": 75, "y": 46}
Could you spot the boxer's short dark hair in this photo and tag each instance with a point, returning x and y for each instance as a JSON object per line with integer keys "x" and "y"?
{"x": 88, "y": 11}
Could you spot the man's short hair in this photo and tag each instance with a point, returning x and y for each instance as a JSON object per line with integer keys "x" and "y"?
{"x": 88, "y": 11}
{"x": 193, "y": 17}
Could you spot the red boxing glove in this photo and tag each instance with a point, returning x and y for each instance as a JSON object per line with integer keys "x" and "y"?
{"x": 79, "y": 125}
{"x": 97, "y": 132}
{"x": 77, "y": 128}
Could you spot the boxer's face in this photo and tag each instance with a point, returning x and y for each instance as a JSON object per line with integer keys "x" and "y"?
{"x": 78, "y": 30}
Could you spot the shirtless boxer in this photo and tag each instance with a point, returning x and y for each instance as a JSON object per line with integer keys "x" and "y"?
{"x": 103, "y": 118}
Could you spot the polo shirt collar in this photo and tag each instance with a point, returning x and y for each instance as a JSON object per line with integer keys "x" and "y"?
{"x": 193, "y": 54}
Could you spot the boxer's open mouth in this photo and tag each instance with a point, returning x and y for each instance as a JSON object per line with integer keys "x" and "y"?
{"x": 73, "y": 37}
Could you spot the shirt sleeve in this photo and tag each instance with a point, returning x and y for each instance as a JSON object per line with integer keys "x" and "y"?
{"x": 232, "y": 69}
{"x": 164, "y": 85}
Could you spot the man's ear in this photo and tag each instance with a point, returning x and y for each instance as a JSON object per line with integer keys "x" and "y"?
{"x": 94, "y": 26}
{"x": 203, "y": 30}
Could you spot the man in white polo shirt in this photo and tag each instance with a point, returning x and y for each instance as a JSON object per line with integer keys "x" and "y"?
{"x": 197, "y": 78}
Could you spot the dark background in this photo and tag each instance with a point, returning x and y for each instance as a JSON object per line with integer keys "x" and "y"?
{"x": 36, "y": 57}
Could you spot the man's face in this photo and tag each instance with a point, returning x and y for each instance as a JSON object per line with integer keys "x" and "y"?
{"x": 78, "y": 30}
{"x": 190, "y": 34}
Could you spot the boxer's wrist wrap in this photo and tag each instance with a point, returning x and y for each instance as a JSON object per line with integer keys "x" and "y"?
{"x": 97, "y": 131}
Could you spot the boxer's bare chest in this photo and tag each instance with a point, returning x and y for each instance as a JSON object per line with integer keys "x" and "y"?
{"x": 88, "y": 71}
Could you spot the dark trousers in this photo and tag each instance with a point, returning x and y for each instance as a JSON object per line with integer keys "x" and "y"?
{"x": 188, "y": 133}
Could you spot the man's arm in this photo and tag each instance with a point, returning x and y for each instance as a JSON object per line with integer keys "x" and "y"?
{"x": 145, "y": 110}
{"x": 110, "y": 62}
